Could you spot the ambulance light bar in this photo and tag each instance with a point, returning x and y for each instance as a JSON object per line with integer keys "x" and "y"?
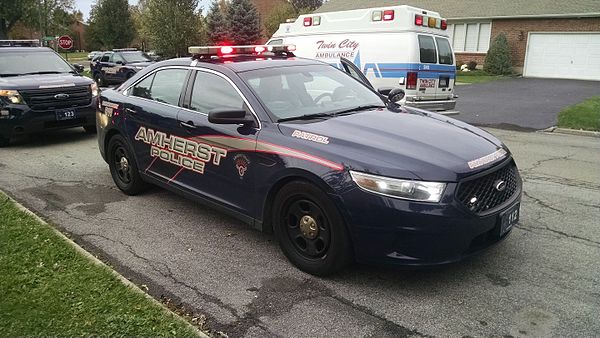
{"x": 240, "y": 50}
{"x": 385, "y": 15}
{"x": 312, "y": 21}
{"x": 431, "y": 22}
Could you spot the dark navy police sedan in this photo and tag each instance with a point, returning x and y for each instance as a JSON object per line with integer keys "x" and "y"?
{"x": 338, "y": 171}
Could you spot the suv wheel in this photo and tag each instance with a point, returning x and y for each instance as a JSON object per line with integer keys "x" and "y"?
{"x": 123, "y": 168}
{"x": 90, "y": 129}
{"x": 310, "y": 230}
{"x": 4, "y": 141}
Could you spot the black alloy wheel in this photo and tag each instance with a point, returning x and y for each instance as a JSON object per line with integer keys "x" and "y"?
{"x": 123, "y": 167}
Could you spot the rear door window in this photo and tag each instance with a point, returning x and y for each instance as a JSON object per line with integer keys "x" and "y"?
{"x": 427, "y": 49}
{"x": 444, "y": 51}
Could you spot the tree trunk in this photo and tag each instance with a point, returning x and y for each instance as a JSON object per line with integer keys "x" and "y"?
{"x": 3, "y": 30}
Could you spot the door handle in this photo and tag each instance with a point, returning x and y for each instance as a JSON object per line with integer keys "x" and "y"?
{"x": 130, "y": 111}
{"x": 189, "y": 125}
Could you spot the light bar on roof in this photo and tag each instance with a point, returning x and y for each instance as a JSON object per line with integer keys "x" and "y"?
{"x": 239, "y": 50}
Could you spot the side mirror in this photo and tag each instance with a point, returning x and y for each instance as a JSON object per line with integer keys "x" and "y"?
{"x": 230, "y": 116}
{"x": 392, "y": 94}
{"x": 79, "y": 68}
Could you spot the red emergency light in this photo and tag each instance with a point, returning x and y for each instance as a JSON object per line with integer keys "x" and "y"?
{"x": 307, "y": 21}
{"x": 388, "y": 15}
{"x": 419, "y": 20}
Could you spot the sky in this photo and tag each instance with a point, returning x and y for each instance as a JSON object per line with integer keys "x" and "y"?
{"x": 85, "y": 5}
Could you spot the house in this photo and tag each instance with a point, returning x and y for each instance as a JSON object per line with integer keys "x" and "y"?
{"x": 547, "y": 38}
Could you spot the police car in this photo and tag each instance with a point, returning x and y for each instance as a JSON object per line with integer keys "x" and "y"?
{"x": 118, "y": 65}
{"x": 338, "y": 171}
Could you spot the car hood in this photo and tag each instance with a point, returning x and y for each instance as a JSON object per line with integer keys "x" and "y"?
{"x": 43, "y": 81}
{"x": 409, "y": 144}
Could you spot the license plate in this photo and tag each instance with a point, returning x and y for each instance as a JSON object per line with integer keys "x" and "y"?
{"x": 509, "y": 218}
{"x": 427, "y": 83}
{"x": 62, "y": 115}
{"x": 444, "y": 81}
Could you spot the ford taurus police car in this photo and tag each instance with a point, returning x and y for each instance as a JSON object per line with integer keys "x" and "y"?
{"x": 336, "y": 170}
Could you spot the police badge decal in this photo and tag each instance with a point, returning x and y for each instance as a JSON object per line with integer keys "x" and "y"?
{"x": 241, "y": 164}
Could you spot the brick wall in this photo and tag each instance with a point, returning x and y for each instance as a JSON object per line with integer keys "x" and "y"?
{"x": 464, "y": 57}
{"x": 516, "y": 31}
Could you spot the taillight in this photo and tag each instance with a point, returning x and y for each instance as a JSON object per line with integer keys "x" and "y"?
{"x": 307, "y": 21}
{"x": 388, "y": 15}
{"x": 419, "y": 20}
{"x": 444, "y": 25}
{"x": 411, "y": 80}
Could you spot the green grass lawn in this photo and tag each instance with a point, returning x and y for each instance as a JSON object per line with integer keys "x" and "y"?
{"x": 49, "y": 289}
{"x": 76, "y": 56}
{"x": 477, "y": 76}
{"x": 584, "y": 115}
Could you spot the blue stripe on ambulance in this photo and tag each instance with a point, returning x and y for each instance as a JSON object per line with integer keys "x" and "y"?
{"x": 396, "y": 70}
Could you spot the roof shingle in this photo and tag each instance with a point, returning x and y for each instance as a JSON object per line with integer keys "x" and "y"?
{"x": 464, "y": 9}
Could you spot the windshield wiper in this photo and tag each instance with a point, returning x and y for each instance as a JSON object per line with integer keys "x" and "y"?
{"x": 306, "y": 117}
{"x": 45, "y": 72}
{"x": 358, "y": 108}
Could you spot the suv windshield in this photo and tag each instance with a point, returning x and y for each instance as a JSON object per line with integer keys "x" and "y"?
{"x": 317, "y": 90}
{"x": 138, "y": 56}
{"x": 34, "y": 62}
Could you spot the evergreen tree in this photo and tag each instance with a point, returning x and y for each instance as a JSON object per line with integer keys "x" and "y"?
{"x": 277, "y": 16}
{"x": 173, "y": 25}
{"x": 243, "y": 22}
{"x": 497, "y": 60}
{"x": 306, "y": 4}
{"x": 216, "y": 24}
{"x": 111, "y": 25}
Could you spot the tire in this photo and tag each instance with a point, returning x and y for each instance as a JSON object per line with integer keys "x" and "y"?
{"x": 311, "y": 232}
{"x": 4, "y": 141}
{"x": 123, "y": 167}
{"x": 90, "y": 129}
{"x": 99, "y": 80}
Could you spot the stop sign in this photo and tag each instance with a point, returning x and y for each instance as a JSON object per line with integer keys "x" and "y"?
{"x": 65, "y": 42}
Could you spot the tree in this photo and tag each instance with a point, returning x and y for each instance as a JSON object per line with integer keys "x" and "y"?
{"x": 11, "y": 12}
{"x": 497, "y": 60}
{"x": 277, "y": 16}
{"x": 306, "y": 4}
{"x": 173, "y": 25}
{"x": 243, "y": 22}
{"x": 111, "y": 25}
{"x": 216, "y": 23}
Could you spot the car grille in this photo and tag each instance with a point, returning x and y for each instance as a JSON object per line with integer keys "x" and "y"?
{"x": 52, "y": 98}
{"x": 480, "y": 194}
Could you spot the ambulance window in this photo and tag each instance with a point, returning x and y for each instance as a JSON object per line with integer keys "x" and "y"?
{"x": 275, "y": 42}
{"x": 446, "y": 57}
{"x": 211, "y": 92}
{"x": 427, "y": 48}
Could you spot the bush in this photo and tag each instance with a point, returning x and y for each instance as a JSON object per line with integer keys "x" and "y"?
{"x": 497, "y": 60}
{"x": 472, "y": 65}
{"x": 277, "y": 16}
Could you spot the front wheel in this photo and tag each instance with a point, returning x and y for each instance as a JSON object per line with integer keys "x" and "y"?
{"x": 310, "y": 230}
{"x": 123, "y": 167}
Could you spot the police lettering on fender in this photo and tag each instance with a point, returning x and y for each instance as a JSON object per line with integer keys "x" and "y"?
{"x": 182, "y": 152}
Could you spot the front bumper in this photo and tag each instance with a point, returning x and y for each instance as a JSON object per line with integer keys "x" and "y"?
{"x": 435, "y": 105}
{"x": 398, "y": 232}
{"x": 22, "y": 120}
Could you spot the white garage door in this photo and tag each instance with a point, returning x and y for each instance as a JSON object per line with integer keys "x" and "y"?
{"x": 563, "y": 55}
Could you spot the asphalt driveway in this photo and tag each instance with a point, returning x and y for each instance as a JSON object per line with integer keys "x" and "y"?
{"x": 520, "y": 103}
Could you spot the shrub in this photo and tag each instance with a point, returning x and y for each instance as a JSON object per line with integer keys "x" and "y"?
{"x": 497, "y": 60}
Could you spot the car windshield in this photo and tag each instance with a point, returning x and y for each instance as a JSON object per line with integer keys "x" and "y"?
{"x": 315, "y": 90}
{"x": 34, "y": 62}
{"x": 135, "y": 57}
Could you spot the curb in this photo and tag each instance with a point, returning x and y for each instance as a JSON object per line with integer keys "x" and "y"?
{"x": 578, "y": 132}
{"x": 98, "y": 262}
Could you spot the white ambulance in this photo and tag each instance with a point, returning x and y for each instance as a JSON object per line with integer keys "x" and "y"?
{"x": 399, "y": 46}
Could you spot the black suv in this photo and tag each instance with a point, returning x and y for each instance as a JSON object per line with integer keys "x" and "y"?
{"x": 118, "y": 65}
{"x": 40, "y": 91}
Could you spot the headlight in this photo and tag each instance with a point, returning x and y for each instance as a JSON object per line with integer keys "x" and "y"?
{"x": 94, "y": 88}
{"x": 404, "y": 189}
{"x": 12, "y": 96}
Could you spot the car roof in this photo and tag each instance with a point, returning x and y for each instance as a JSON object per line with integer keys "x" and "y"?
{"x": 244, "y": 63}
{"x": 25, "y": 49}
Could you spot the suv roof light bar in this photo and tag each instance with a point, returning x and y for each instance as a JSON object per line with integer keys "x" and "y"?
{"x": 125, "y": 50}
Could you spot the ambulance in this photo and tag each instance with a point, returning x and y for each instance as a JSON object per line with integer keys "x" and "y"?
{"x": 394, "y": 47}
